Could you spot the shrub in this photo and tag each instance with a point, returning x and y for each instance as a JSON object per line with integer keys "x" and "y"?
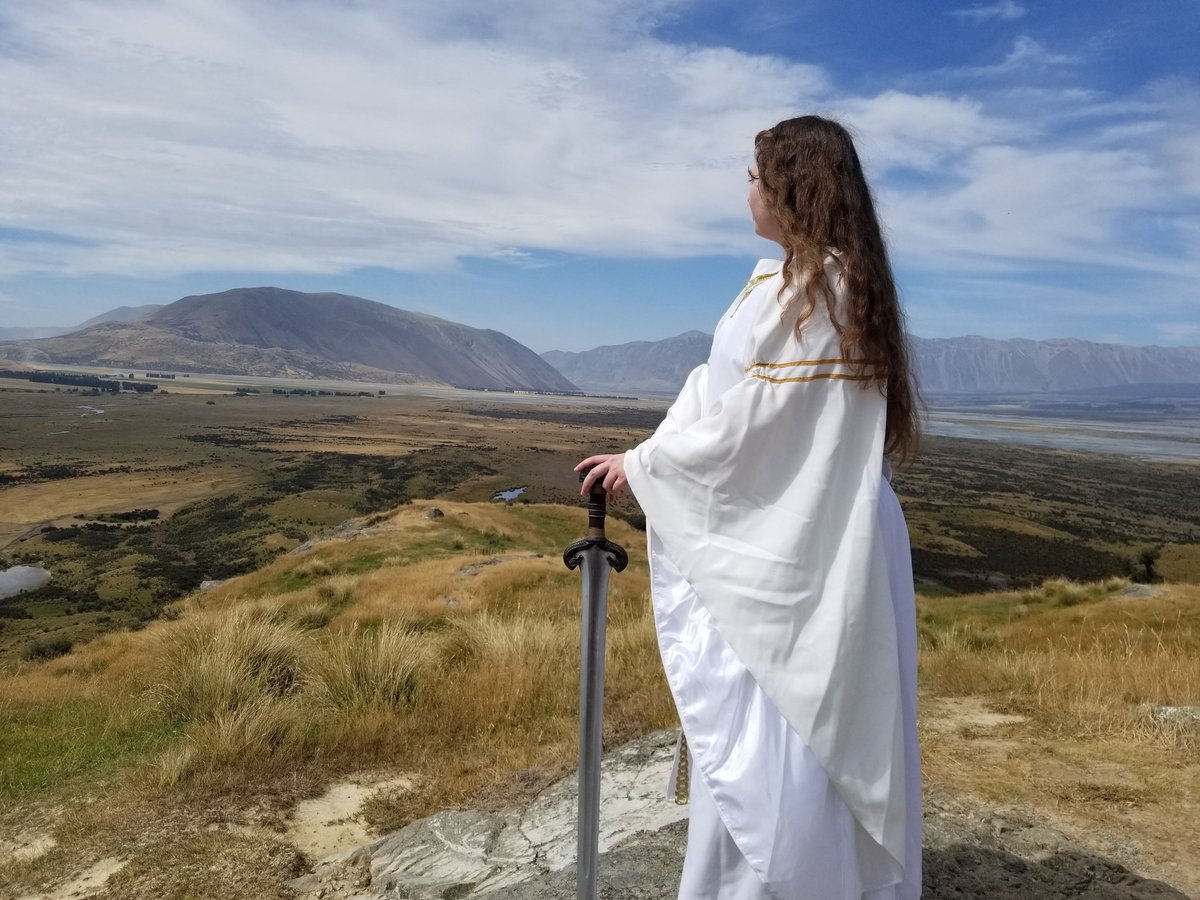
{"x": 47, "y": 648}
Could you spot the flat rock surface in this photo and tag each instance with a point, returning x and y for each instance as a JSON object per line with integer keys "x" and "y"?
{"x": 528, "y": 853}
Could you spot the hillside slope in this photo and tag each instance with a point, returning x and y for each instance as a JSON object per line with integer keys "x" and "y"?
{"x": 119, "y": 314}
{"x": 648, "y": 367}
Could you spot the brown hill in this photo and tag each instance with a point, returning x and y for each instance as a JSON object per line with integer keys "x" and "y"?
{"x": 272, "y": 331}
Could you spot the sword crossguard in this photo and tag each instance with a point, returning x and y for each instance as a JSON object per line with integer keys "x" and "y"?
{"x": 614, "y": 553}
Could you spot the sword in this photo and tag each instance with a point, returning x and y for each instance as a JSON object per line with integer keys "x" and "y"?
{"x": 594, "y": 555}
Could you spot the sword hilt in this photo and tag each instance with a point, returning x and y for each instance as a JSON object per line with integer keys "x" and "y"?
{"x": 597, "y": 508}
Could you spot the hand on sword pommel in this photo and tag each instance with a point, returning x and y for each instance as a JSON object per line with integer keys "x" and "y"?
{"x": 607, "y": 466}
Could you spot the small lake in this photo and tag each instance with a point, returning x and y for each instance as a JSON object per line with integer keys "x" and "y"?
{"x": 22, "y": 578}
{"x": 507, "y": 496}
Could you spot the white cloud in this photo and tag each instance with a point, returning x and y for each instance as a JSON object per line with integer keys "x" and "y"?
{"x": 221, "y": 135}
{"x": 1027, "y": 51}
{"x": 1032, "y": 204}
{"x": 1181, "y": 333}
{"x": 1004, "y": 11}
{"x": 897, "y": 130}
{"x": 1026, "y": 56}
{"x": 214, "y": 135}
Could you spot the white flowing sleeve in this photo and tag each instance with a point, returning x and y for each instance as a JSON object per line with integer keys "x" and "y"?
{"x": 689, "y": 405}
{"x": 767, "y": 505}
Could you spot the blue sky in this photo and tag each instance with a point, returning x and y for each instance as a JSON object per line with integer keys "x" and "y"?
{"x": 574, "y": 173}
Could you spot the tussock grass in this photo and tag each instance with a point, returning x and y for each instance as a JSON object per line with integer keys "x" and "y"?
{"x": 312, "y": 567}
{"x": 368, "y": 667}
{"x": 1064, "y": 592}
{"x": 410, "y": 662}
{"x": 337, "y": 592}
{"x": 218, "y": 664}
{"x": 233, "y": 746}
{"x": 506, "y": 672}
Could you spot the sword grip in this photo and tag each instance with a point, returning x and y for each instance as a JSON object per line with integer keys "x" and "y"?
{"x": 597, "y": 506}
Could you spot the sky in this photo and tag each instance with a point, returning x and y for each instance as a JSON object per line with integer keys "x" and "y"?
{"x": 574, "y": 173}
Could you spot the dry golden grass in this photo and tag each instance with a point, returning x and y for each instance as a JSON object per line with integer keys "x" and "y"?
{"x": 1079, "y": 660}
{"x": 1180, "y": 563}
{"x": 26, "y": 505}
{"x": 365, "y": 667}
{"x": 219, "y": 664}
{"x": 304, "y": 664}
{"x": 1044, "y": 701}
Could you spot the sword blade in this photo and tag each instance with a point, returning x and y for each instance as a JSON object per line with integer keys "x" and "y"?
{"x": 595, "y": 568}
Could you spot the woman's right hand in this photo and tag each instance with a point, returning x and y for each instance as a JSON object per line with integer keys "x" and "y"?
{"x": 607, "y": 466}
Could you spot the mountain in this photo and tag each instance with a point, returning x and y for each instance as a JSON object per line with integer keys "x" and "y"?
{"x": 276, "y": 332}
{"x": 30, "y": 333}
{"x": 120, "y": 314}
{"x": 977, "y": 364}
{"x": 649, "y": 367}
{"x": 945, "y": 365}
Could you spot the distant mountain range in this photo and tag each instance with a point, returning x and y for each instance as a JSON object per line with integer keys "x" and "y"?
{"x": 653, "y": 367}
{"x": 976, "y": 364}
{"x": 120, "y": 314}
{"x": 945, "y": 365}
{"x": 270, "y": 331}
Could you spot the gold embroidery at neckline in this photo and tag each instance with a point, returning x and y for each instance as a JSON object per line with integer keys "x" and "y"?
{"x": 832, "y": 376}
{"x": 812, "y": 362}
{"x": 751, "y": 285}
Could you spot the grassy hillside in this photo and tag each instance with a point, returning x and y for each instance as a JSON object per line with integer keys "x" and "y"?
{"x": 441, "y": 647}
{"x": 446, "y": 650}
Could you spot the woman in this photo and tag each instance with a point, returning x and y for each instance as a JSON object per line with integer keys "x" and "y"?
{"x": 780, "y": 565}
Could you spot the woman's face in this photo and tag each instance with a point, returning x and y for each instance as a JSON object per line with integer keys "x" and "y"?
{"x": 764, "y": 223}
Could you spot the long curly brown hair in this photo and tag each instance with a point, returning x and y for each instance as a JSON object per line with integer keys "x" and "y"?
{"x": 813, "y": 184}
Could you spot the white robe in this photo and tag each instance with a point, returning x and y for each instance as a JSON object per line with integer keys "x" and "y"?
{"x": 770, "y": 531}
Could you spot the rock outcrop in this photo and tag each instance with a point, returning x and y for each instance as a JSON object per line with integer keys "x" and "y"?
{"x": 469, "y": 853}
{"x": 528, "y": 853}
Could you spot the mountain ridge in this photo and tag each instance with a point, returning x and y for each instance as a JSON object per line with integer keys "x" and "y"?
{"x": 969, "y": 364}
{"x": 117, "y": 314}
{"x": 275, "y": 331}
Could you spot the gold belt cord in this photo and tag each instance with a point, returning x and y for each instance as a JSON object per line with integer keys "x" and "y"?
{"x": 683, "y": 776}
